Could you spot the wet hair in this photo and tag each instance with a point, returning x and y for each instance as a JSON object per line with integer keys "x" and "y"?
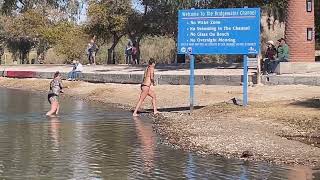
{"x": 56, "y": 74}
{"x": 152, "y": 61}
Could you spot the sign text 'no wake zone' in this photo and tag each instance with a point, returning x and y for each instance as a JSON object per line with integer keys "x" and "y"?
{"x": 219, "y": 31}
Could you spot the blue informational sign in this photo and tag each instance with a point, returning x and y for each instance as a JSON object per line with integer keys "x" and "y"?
{"x": 219, "y": 31}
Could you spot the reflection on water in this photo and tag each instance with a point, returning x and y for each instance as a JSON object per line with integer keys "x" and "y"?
{"x": 148, "y": 141}
{"x": 94, "y": 141}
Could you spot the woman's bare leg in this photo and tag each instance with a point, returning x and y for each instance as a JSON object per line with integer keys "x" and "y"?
{"x": 53, "y": 109}
{"x": 143, "y": 95}
{"x": 58, "y": 108}
{"x": 152, "y": 94}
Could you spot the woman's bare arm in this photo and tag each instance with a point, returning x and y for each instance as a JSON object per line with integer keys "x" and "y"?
{"x": 61, "y": 85}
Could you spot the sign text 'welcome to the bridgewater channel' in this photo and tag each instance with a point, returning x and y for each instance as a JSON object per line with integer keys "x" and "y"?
{"x": 219, "y": 31}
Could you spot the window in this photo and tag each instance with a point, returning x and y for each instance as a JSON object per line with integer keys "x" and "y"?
{"x": 309, "y": 5}
{"x": 309, "y": 34}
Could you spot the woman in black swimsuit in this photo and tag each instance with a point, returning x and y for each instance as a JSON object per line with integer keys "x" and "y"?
{"x": 54, "y": 92}
{"x": 147, "y": 88}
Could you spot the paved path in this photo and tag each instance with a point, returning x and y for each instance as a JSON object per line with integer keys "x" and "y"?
{"x": 165, "y": 74}
{"x": 125, "y": 69}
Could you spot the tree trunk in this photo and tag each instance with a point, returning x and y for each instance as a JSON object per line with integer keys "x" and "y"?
{"x": 111, "y": 54}
{"x": 297, "y": 22}
{"x": 109, "y": 61}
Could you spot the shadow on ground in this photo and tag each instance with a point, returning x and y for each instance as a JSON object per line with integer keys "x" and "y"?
{"x": 309, "y": 103}
{"x": 186, "y": 66}
{"x": 102, "y": 70}
{"x": 161, "y": 67}
{"x": 175, "y": 109}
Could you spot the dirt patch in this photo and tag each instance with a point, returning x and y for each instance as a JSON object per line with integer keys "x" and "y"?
{"x": 264, "y": 130}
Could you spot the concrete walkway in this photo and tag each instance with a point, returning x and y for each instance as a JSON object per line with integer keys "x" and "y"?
{"x": 165, "y": 74}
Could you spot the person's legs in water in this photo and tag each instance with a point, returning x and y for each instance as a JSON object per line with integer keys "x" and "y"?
{"x": 152, "y": 94}
{"x": 58, "y": 108}
{"x": 54, "y": 106}
{"x": 143, "y": 95}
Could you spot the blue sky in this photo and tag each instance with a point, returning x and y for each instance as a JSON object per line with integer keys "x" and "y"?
{"x": 137, "y": 5}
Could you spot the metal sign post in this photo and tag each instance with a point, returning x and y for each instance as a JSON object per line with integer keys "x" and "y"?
{"x": 245, "y": 80}
{"x": 191, "y": 82}
{"x": 219, "y": 31}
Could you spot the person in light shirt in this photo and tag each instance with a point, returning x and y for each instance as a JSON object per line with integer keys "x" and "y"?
{"x": 76, "y": 71}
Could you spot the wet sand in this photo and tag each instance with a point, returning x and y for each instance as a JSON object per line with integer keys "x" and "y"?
{"x": 218, "y": 127}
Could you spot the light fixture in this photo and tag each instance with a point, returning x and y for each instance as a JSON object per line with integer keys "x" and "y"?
{"x": 309, "y": 34}
{"x": 309, "y": 5}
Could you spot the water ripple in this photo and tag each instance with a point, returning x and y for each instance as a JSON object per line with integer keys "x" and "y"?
{"x": 91, "y": 141}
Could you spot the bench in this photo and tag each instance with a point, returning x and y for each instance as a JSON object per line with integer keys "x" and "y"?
{"x": 79, "y": 76}
{"x": 297, "y": 67}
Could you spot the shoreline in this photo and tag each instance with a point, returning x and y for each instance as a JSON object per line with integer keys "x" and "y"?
{"x": 216, "y": 128}
{"x": 231, "y": 144}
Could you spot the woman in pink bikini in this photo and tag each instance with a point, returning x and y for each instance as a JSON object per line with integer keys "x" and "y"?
{"x": 147, "y": 88}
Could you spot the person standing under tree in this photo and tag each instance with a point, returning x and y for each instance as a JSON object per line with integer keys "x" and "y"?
{"x": 147, "y": 88}
{"x": 128, "y": 53}
{"x": 92, "y": 51}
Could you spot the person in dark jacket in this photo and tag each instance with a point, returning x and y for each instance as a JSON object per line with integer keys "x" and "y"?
{"x": 92, "y": 50}
{"x": 270, "y": 57}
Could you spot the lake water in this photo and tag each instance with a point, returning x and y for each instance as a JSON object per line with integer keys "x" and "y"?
{"x": 95, "y": 141}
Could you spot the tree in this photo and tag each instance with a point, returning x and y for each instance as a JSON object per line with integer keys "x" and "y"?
{"x": 68, "y": 39}
{"x": 21, "y": 6}
{"x": 23, "y": 32}
{"x": 29, "y": 21}
{"x": 158, "y": 17}
{"x": 163, "y": 14}
{"x": 108, "y": 20}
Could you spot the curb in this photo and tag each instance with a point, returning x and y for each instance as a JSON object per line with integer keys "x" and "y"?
{"x": 231, "y": 80}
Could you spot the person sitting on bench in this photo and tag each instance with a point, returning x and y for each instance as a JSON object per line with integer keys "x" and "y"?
{"x": 75, "y": 73}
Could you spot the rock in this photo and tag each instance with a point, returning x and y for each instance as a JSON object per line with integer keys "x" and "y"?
{"x": 246, "y": 154}
{"x": 235, "y": 101}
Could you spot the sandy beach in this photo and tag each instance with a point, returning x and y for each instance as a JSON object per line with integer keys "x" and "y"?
{"x": 267, "y": 130}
